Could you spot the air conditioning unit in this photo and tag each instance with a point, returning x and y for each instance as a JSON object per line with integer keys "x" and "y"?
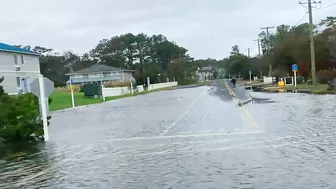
{"x": 17, "y": 68}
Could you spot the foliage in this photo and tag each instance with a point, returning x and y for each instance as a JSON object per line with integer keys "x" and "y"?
{"x": 289, "y": 45}
{"x": 324, "y": 76}
{"x": 299, "y": 80}
{"x": 19, "y": 118}
{"x": 111, "y": 84}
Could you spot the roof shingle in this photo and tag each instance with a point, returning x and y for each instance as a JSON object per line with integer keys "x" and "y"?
{"x": 8, "y": 48}
{"x": 98, "y": 68}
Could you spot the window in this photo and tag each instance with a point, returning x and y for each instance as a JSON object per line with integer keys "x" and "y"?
{"x": 106, "y": 74}
{"x": 22, "y": 61}
{"x": 15, "y": 59}
{"x": 18, "y": 82}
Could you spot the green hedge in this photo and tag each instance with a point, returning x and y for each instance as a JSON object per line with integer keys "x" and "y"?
{"x": 20, "y": 118}
{"x": 324, "y": 76}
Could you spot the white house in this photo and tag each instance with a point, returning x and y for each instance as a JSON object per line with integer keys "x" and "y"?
{"x": 205, "y": 73}
{"x": 14, "y": 59}
{"x": 98, "y": 73}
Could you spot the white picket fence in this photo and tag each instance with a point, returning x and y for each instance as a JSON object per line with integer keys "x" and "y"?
{"x": 162, "y": 85}
{"x": 117, "y": 91}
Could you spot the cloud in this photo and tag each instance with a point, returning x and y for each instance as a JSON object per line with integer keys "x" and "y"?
{"x": 205, "y": 28}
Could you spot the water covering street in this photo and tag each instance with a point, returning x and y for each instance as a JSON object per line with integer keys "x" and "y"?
{"x": 186, "y": 138}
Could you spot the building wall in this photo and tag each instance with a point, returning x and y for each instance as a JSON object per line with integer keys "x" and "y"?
{"x": 8, "y": 63}
{"x": 127, "y": 76}
{"x": 123, "y": 76}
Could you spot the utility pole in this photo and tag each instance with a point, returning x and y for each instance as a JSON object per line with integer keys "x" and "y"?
{"x": 249, "y": 52}
{"x": 258, "y": 40}
{"x": 311, "y": 36}
{"x": 268, "y": 45}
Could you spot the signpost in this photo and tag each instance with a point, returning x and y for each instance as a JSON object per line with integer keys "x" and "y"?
{"x": 250, "y": 73}
{"x": 42, "y": 87}
{"x": 294, "y": 69}
{"x": 72, "y": 88}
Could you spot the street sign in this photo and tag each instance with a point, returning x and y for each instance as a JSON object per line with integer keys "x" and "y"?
{"x": 294, "y": 67}
{"x": 48, "y": 87}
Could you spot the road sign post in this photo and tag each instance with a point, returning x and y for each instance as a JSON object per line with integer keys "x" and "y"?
{"x": 42, "y": 88}
{"x": 294, "y": 69}
{"x": 72, "y": 93}
{"x": 43, "y": 108}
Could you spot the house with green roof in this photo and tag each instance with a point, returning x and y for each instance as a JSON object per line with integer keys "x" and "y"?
{"x": 98, "y": 73}
{"x": 14, "y": 59}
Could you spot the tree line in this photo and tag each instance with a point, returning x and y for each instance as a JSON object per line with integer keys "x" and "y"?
{"x": 290, "y": 45}
{"x": 149, "y": 56}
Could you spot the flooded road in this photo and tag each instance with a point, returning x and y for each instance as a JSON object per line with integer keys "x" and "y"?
{"x": 186, "y": 138}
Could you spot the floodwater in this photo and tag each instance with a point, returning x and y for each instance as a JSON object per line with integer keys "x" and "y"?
{"x": 186, "y": 138}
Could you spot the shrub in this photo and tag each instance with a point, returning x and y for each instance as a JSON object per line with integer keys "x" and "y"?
{"x": 299, "y": 79}
{"x": 187, "y": 81}
{"x": 111, "y": 84}
{"x": 324, "y": 76}
{"x": 19, "y": 118}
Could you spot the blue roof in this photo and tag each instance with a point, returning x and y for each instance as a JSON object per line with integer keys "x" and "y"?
{"x": 9, "y": 48}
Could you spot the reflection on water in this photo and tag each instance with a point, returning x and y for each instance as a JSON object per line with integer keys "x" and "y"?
{"x": 22, "y": 160}
{"x": 209, "y": 143}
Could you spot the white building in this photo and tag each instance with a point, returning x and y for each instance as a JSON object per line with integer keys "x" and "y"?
{"x": 14, "y": 59}
{"x": 205, "y": 73}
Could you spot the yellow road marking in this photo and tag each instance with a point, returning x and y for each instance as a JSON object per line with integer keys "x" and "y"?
{"x": 248, "y": 120}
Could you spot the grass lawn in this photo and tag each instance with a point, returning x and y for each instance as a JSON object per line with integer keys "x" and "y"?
{"x": 62, "y": 100}
{"x": 318, "y": 89}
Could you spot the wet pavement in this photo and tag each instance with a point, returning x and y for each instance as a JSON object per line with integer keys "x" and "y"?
{"x": 203, "y": 137}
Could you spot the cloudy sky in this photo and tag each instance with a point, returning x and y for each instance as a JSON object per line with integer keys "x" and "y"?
{"x": 207, "y": 28}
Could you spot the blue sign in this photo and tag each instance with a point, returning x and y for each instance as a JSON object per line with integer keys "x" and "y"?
{"x": 250, "y": 72}
{"x": 294, "y": 67}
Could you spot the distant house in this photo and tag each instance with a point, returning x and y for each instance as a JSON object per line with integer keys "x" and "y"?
{"x": 14, "y": 59}
{"x": 205, "y": 73}
{"x": 98, "y": 73}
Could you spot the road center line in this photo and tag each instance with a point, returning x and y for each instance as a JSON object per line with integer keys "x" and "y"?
{"x": 186, "y": 111}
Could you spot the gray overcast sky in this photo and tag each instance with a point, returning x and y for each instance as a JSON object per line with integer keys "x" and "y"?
{"x": 207, "y": 28}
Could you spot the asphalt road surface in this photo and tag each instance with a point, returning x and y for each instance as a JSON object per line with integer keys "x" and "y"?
{"x": 203, "y": 137}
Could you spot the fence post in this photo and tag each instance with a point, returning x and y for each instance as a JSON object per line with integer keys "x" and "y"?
{"x": 131, "y": 86}
{"x": 148, "y": 84}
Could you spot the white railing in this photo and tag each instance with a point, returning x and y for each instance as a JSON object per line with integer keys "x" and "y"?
{"x": 268, "y": 79}
{"x": 162, "y": 85}
{"x": 115, "y": 91}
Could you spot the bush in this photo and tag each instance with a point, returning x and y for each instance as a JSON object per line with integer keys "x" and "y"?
{"x": 324, "y": 76}
{"x": 111, "y": 84}
{"x": 299, "y": 80}
{"x": 20, "y": 118}
{"x": 187, "y": 81}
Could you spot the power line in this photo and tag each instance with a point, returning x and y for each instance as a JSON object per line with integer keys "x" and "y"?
{"x": 327, "y": 6}
{"x": 301, "y": 19}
